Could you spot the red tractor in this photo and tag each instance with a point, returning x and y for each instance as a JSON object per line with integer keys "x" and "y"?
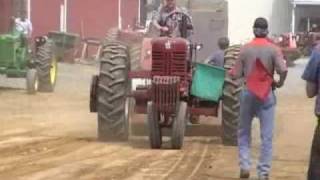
{"x": 290, "y": 53}
{"x": 306, "y": 41}
{"x": 166, "y": 67}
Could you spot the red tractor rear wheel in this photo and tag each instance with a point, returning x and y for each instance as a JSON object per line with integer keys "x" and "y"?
{"x": 231, "y": 100}
{"x": 111, "y": 96}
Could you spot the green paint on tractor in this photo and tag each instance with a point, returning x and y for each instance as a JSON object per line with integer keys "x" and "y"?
{"x": 13, "y": 55}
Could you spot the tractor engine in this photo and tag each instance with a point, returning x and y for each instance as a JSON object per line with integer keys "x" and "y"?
{"x": 170, "y": 72}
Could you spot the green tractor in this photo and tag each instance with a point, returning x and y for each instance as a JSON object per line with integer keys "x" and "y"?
{"x": 18, "y": 61}
{"x": 40, "y": 66}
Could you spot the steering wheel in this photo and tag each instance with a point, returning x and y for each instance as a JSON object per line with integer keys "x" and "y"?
{"x": 180, "y": 18}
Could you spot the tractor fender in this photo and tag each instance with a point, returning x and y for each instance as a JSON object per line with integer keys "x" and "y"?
{"x": 94, "y": 93}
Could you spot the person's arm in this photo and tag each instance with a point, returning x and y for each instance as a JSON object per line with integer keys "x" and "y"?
{"x": 311, "y": 73}
{"x": 190, "y": 23}
{"x": 281, "y": 68}
{"x": 211, "y": 60}
{"x": 156, "y": 21}
{"x": 208, "y": 59}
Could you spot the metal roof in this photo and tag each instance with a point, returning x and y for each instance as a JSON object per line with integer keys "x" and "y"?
{"x": 306, "y": 2}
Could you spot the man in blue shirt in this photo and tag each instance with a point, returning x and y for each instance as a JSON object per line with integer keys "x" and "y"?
{"x": 312, "y": 76}
{"x": 217, "y": 58}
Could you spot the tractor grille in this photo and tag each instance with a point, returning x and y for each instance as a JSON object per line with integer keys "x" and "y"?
{"x": 170, "y": 64}
{"x": 165, "y": 93}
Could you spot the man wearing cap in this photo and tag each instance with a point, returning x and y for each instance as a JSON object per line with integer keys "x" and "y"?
{"x": 312, "y": 76}
{"x": 258, "y": 60}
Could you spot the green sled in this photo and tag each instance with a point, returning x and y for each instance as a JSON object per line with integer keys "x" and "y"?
{"x": 207, "y": 82}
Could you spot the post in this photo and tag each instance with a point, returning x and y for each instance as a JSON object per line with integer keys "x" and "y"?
{"x": 309, "y": 25}
{"x": 139, "y": 12}
{"x": 119, "y": 15}
{"x": 29, "y": 9}
{"x": 65, "y": 15}
{"x": 293, "y": 22}
{"x": 62, "y": 17}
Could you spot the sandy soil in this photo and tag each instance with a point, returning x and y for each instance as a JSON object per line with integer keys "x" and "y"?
{"x": 53, "y": 137}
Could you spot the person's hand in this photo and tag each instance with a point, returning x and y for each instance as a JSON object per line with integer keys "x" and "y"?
{"x": 164, "y": 29}
{"x": 277, "y": 84}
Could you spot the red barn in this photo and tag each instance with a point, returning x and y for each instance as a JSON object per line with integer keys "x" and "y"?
{"x": 6, "y": 11}
{"x": 88, "y": 18}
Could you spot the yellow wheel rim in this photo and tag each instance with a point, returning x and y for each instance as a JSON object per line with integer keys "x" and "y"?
{"x": 36, "y": 84}
{"x": 53, "y": 71}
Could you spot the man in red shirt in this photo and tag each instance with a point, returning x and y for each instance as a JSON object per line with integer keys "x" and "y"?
{"x": 271, "y": 58}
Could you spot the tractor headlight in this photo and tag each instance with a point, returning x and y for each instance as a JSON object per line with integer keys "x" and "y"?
{"x": 199, "y": 46}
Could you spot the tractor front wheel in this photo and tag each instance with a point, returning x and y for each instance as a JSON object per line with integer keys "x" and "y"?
{"x": 155, "y": 136}
{"x": 179, "y": 126}
{"x": 32, "y": 81}
{"x": 47, "y": 67}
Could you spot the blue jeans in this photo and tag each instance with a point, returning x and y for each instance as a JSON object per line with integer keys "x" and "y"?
{"x": 314, "y": 166}
{"x": 251, "y": 107}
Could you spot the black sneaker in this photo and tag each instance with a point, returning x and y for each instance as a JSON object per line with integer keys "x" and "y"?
{"x": 244, "y": 174}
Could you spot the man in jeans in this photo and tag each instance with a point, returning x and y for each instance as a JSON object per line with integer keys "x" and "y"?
{"x": 259, "y": 49}
{"x": 312, "y": 76}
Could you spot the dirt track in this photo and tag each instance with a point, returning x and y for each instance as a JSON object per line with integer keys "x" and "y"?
{"x": 52, "y": 136}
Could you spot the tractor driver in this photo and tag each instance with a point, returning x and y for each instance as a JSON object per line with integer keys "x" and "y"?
{"x": 23, "y": 26}
{"x": 168, "y": 23}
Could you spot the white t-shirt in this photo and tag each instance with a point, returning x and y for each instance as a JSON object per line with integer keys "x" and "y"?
{"x": 24, "y": 26}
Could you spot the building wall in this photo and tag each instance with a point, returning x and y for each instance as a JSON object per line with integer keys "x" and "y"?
{"x": 303, "y": 11}
{"x": 243, "y": 13}
{"x": 6, "y": 11}
{"x": 92, "y": 18}
{"x": 88, "y": 18}
{"x": 210, "y": 18}
{"x": 45, "y": 19}
{"x": 129, "y": 12}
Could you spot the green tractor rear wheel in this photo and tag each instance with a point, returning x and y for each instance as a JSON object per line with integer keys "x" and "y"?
{"x": 47, "y": 67}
